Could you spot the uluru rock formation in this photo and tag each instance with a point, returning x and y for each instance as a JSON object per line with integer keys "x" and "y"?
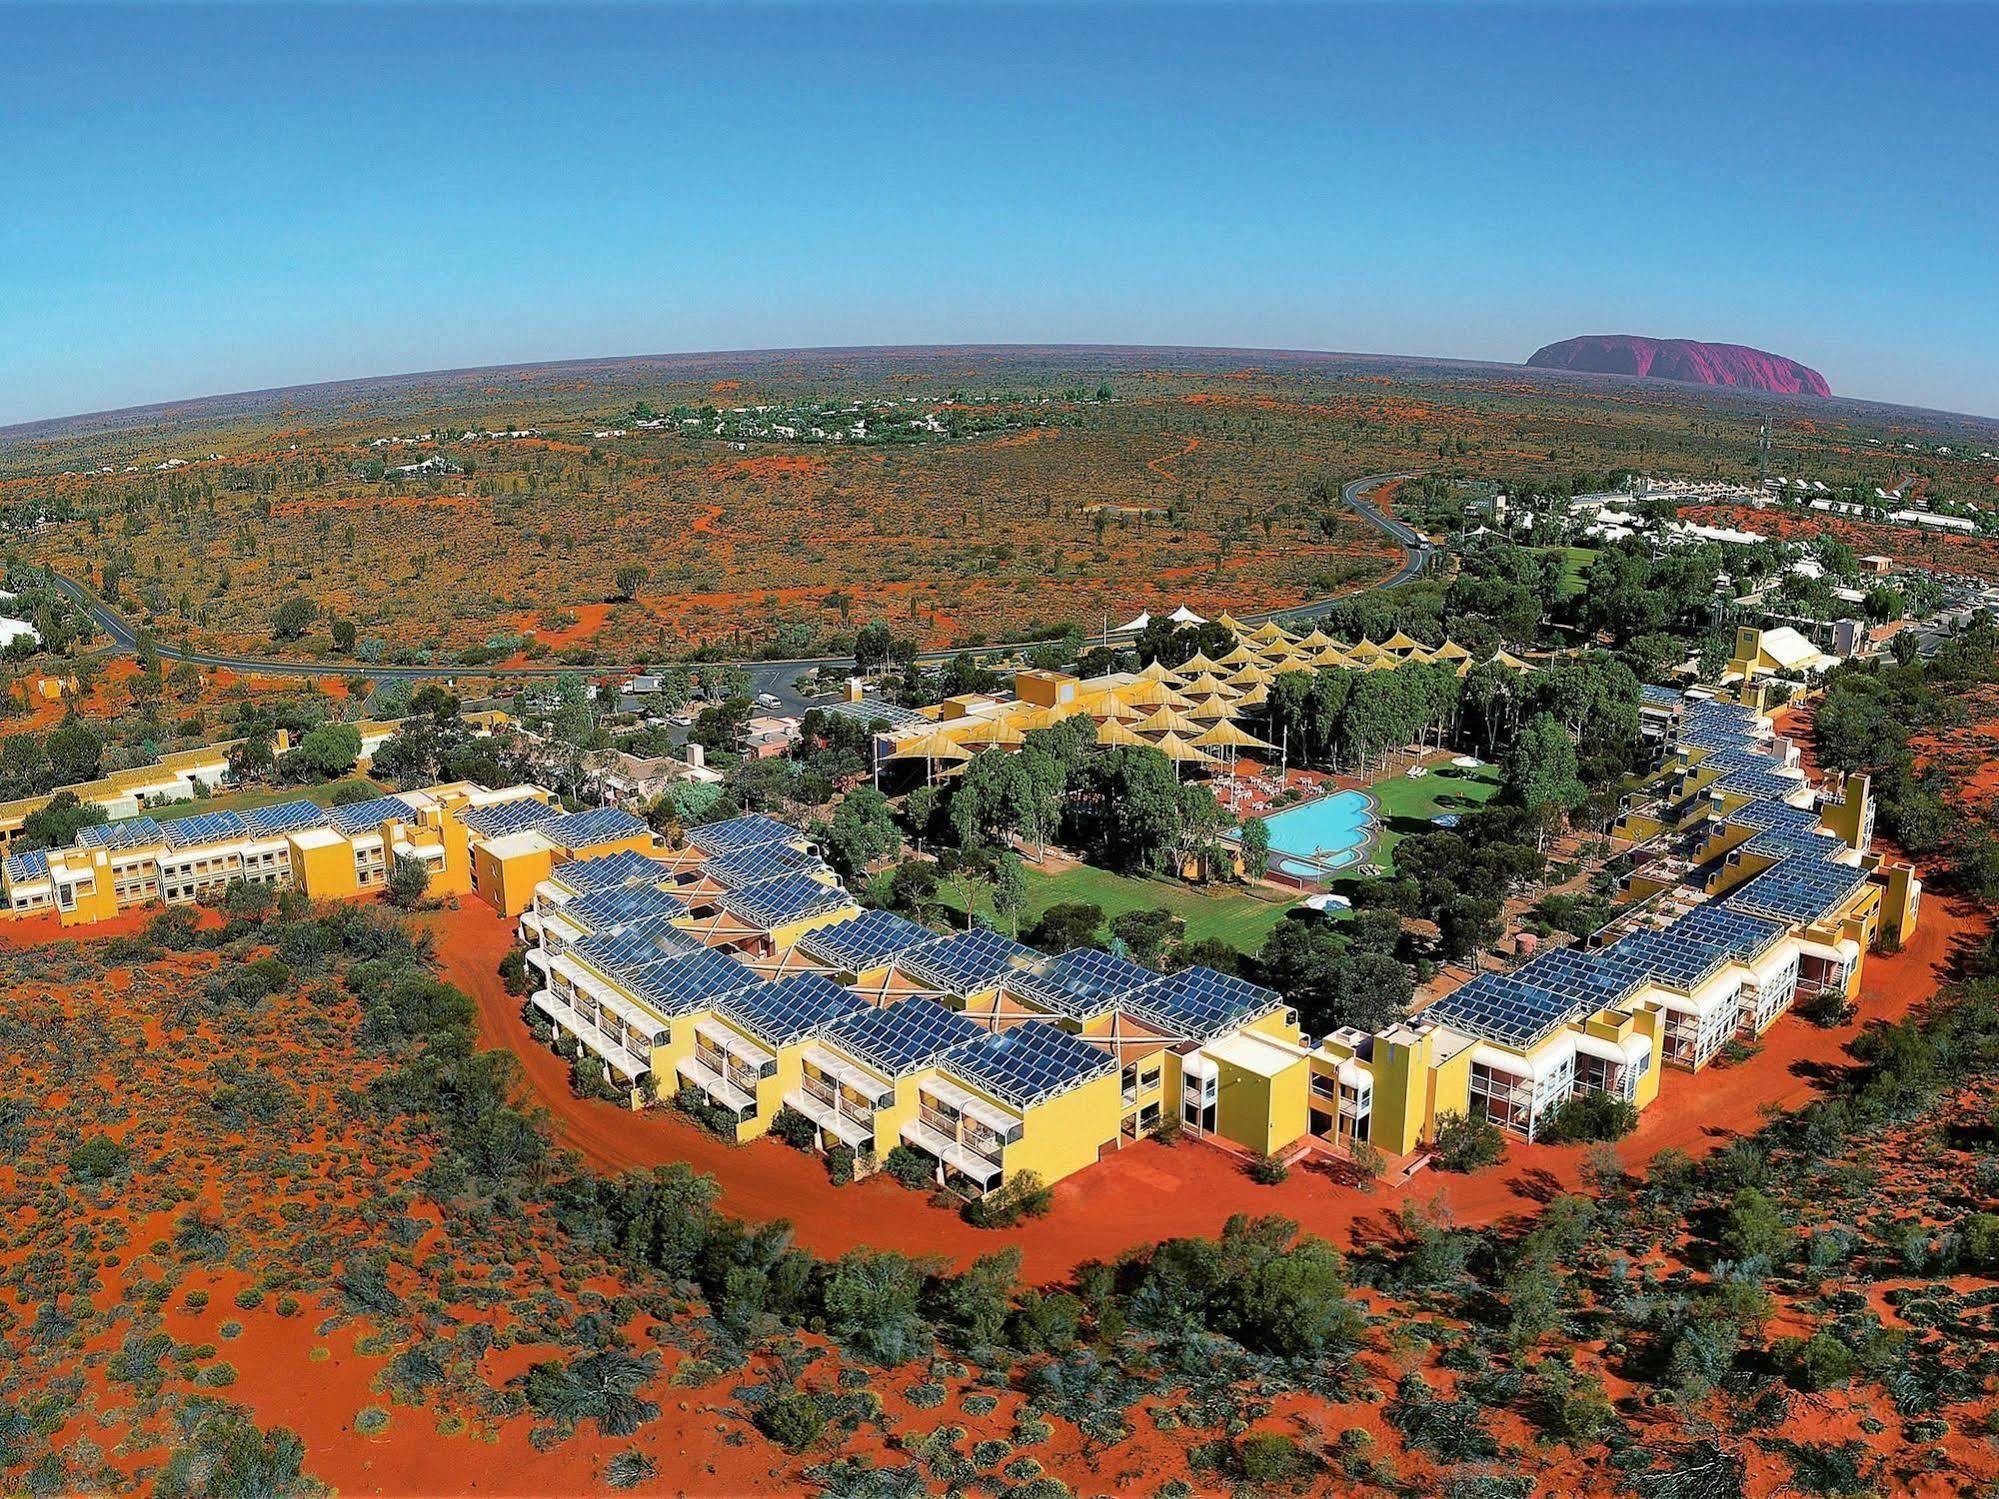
{"x": 1681, "y": 359}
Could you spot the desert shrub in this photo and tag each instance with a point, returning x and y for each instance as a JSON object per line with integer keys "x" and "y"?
{"x": 1269, "y": 1170}
{"x": 227, "y": 1456}
{"x": 515, "y": 977}
{"x": 1465, "y": 1143}
{"x": 1590, "y": 1117}
{"x": 199, "y": 1238}
{"x": 230, "y": 1329}
{"x": 1819, "y": 1362}
{"x": 371, "y": 1420}
{"x": 910, "y": 1167}
{"x": 692, "y": 1102}
{"x": 1754, "y": 1228}
{"x": 600, "y": 1387}
{"x": 794, "y": 1129}
{"x": 1978, "y": 1241}
{"x": 218, "y": 1375}
{"x": 97, "y": 1158}
{"x": 1452, "y": 1429}
{"x": 840, "y": 1161}
{"x": 630, "y": 1469}
{"x": 1022, "y": 1197}
{"x": 794, "y": 1419}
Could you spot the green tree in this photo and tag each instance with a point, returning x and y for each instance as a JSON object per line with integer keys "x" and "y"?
{"x": 329, "y": 750}
{"x": 409, "y": 880}
{"x": 1010, "y": 889}
{"x": 293, "y": 617}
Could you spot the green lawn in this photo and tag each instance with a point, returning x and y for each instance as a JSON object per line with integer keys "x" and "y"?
{"x": 1405, "y": 806}
{"x": 242, "y": 801}
{"x": 1575, "y": 562}
{"x": 1239, "y": 919}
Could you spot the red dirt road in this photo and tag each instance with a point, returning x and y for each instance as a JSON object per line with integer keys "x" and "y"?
{"x": 1148, "y": 1191}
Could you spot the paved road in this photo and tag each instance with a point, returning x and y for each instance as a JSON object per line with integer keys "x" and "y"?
{"x": 778, "y": 678}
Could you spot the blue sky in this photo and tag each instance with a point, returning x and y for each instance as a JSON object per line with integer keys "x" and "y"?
{"x": 240, "y": 195}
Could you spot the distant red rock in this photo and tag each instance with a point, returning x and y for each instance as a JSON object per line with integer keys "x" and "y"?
{"x": 1682, "y": 359}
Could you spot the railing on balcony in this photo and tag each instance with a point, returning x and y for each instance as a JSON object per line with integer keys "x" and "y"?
{"x": 825, "y": 1092}
{"x": 945, "y": 1124}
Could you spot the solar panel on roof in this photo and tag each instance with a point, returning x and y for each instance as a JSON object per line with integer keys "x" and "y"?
{"x": 133, "y": 832}
{"x": 1027, "y": 1063}
{"x": 688, "y": 982}
{"x": 906, "y": 1035}
{"x": 1583, "y": 977}
{"x": 1201, "y": 1003}
{"x": 605, "y": 871}
{"x": 1801, "y": 888}
{"x": 204, "y": 827}
{"x": 284, "y": 817}
{"x": 365, "y": 817}
{"x": 1759, "y": 783}
{"x": 1768, "y": 812}
{"x": 592, "y": 826}
{"x": 636, "y": 945}
{"x": 498, "y": 819}
{"x": 622, "y": 905}
{"x": 791, "y": 1009}
{"x": 866, "y": 941}
{"x": 1500, "y": 1008}
{"x": 31, "y": 865}
{"x": 741, "y": 832}
{"x": 968, "y": 962}
{"x": 788, "y": 898}
{"x": 737, "y": 867}
{"x": 1082, "y": 982}
{"x": 1739, "y": 933}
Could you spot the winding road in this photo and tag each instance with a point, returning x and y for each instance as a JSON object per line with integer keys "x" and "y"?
{"x": 778, "y": 678}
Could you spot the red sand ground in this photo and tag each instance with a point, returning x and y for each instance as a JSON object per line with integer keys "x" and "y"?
{"x": 1148, "y": 1191}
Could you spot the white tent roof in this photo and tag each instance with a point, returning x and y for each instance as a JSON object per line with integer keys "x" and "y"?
{"x": 1133, "y": 626}
{"x": 1185, "y": 616}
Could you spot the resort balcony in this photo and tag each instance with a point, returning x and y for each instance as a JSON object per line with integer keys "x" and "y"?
{"x": 717, "y": 1087}
{"x": 829, "y": 1117}
{"x": 568, "y": 1022}
{"x": 955, "y": 1156}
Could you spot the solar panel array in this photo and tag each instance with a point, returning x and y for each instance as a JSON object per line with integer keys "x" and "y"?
{"x": 1738, "y": 933}
{"x": 604, "y": 871}
{"x": 684, "y": 984}
{"x": 1664, "y": 696}
{"x": 1200, "y": 1003}
{"x": 31, "y": 865}
{"x": 284, "y": 817}
{"x": 1027, "y": 1063}
{"x": 133, "y": 832}
{"x": 1499, "y": 1007}
{"x": 1759, "y": 783}
{"x": 909, "y": 1034}
{"x": 1773, "y": 814}
{"x": 622, "y": 905}
{"x": 763, "y": 861}
{"x": 635, "y": 946}
{"x": 1738, "y": 758}
{"x": 592, "y": 826}
{"x": 968, "y": 962}
{"x": 741, "y": 832}
{"x": 1082, "y": 982}
{"x": 204, "y": 827}
{"x": 792, "y": 1009}
{"x": 788, "y": 898}
{"x": 1802, "y": 888}
{"x": 1668, "y": 960}
{"x": 1782, "y": 842}
{"x": 866, "y": 941}
{"x": 498, "y": 819}
{"x": 365, "y": 817}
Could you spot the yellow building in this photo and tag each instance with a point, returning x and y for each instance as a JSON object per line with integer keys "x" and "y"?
{"x": 498, "y": 843}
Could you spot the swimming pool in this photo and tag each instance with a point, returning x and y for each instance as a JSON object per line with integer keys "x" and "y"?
{"x": 1315, "y": 838}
